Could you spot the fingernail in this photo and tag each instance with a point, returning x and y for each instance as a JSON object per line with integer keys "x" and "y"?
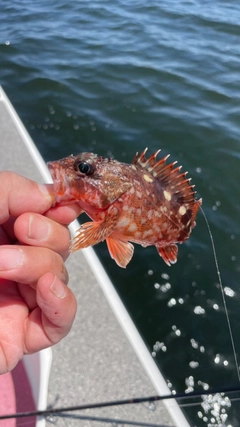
{"x": 38, "y": 228}
{"x": 10, "y": 258}
{"x": 58, "y": 288}
{"x": 47, "y": 191}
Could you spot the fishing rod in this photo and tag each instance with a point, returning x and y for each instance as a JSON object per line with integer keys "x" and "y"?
{"x": 135, "y": 400}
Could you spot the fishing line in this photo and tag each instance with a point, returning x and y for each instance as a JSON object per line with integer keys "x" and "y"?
{"x": 180, "y": 396}
{"x": 148, "y": 399}
{"x": 223, "y": 295}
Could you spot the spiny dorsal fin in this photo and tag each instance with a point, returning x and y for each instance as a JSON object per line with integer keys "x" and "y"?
{"x": 170, "y": 177}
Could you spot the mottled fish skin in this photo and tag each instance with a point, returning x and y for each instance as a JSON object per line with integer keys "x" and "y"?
{"x": 148, "y": 202}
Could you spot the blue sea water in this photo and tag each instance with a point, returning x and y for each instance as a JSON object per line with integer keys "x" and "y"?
{"x": 115, "y": 77}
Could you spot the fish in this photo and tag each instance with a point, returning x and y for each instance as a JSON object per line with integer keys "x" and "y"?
{"x": 148, "y": 202}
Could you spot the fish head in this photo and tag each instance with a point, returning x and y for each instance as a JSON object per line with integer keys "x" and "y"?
{"x": 88, "y": 179}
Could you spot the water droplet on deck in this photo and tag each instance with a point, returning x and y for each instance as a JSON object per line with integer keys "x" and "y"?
{"x": 52, "y": 418}
{"x": 152, "y": 406}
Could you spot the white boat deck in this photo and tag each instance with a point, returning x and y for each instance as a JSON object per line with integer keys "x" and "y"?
{"x": 103, "y": 358}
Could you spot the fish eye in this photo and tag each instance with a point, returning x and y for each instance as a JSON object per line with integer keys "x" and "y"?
{"x": 85, "y": 168}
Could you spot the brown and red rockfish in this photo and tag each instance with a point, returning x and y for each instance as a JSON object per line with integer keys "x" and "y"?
{"x": 147, "y": 202}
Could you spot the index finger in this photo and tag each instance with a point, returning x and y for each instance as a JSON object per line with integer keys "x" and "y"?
{"x": 64, "y": 214}
{"x": 20, "y": 194}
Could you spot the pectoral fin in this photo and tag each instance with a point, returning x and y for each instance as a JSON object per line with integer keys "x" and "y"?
{"x": 91, "y": 233}
{"x": 120, "y": 251}
{"x": 168, "y": 253}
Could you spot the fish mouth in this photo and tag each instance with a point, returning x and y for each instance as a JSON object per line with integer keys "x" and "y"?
{"x": 60, "y": 183}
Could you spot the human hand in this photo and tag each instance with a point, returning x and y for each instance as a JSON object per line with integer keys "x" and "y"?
{"x": 36, "y": 307}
